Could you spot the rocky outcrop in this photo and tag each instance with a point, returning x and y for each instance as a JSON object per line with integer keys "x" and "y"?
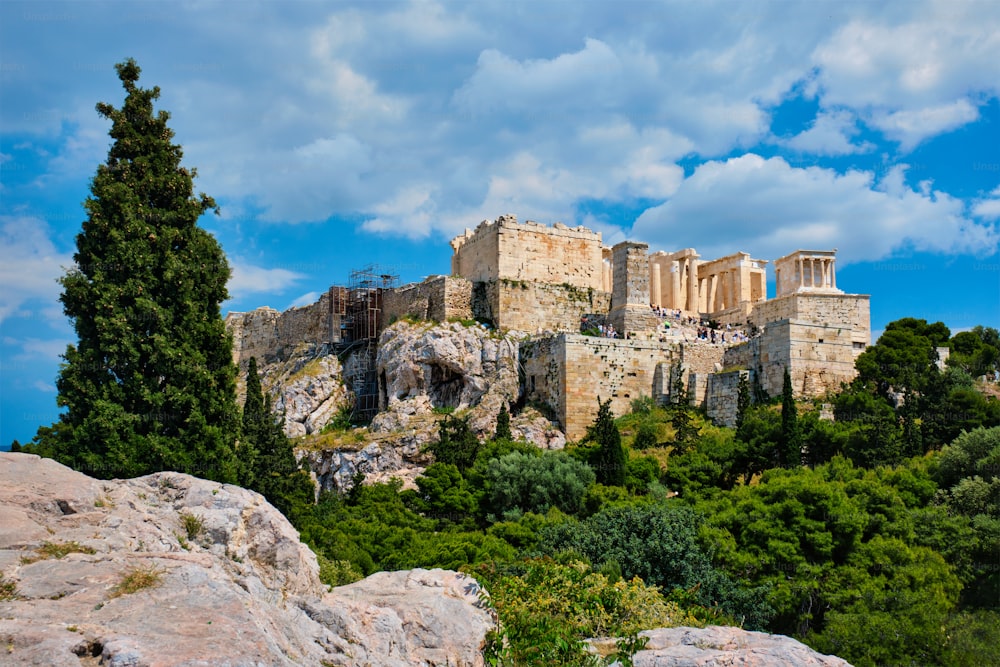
{"x": 307, "y": 388}
{"x": 454, "y": 365}
{"x": 169, "y": 569}
{"x": 450, "y": 365}
{"x": 721, "y": 645}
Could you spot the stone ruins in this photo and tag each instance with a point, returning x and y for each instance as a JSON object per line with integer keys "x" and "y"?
{"x": 618, "y": 322}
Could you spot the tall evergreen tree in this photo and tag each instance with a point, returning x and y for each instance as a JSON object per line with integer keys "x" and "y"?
{"x": 503, "y": 424}
{"x": 268, "y": 463}
{"x": 610, "y": 459}
{"x": 150, "y": 384}
{"x": 790, "y": 453}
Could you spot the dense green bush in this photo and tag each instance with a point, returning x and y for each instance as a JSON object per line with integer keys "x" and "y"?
{"x": 517, "y": 483}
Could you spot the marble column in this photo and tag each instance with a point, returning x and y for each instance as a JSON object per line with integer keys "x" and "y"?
{"x": 654, "y": 283}
{"x": 692, "y": 285}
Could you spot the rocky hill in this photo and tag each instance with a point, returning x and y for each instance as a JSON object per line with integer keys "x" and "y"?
{"x": 425, "y": 370}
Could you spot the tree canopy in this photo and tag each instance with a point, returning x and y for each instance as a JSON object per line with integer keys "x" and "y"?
{"x": 150, "y": 383}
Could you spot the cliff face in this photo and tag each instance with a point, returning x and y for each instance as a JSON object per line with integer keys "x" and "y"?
{"x": 169, "y": 570}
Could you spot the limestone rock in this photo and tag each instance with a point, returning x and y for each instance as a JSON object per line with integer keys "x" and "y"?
{"x": 720, "y": 645}
{"x": 308, "y": 389}
{"x": 236, "y": 586}
{"x": 453, "y": 365}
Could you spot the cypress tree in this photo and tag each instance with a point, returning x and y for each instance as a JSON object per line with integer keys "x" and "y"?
{"x": 610, "y": 460}
{"x": 791, "y": 442}
{"x": 150, "y": 385}
{"x": 503, "y": 424}
{"x": 268, "y": 464}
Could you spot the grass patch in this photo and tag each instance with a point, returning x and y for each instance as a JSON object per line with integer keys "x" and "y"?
{"x": 57, "y": 550}
{"x": 8, "y": 589}
{"x": 193, "y": 525}
{"x": 138, "y": 578}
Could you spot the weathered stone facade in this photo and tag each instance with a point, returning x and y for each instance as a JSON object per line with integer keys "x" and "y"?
{"x": 546, "y": 281}
{"x": 569, "y": 373}
{"x": 439, "y": 298}
{"x": 531, "y": 252}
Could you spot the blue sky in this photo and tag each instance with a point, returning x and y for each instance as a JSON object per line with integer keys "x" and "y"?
{"x": 335, "y": 135}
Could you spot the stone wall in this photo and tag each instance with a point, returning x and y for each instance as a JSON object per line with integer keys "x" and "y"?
{"x": 438, "y": 298}
{"x": 568, "y": 373}
{"x": 269, "y": 336}
{"x": 531, "y": 252}
{"x": 850, "y": 311}
{"x": 819, "y": 357}
{"x": 721, "y": 396}
{"x": 538, "y": 307}
{"x": 630, "y": 301}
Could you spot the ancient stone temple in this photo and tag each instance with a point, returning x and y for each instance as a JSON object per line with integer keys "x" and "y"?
{"x": 556, "y": 283}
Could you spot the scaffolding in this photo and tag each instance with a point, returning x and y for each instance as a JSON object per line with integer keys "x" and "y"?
{"x": 359, "y": 311}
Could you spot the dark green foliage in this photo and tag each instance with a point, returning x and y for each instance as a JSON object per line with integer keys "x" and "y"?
{"x": 790, "y": 450}
{"x": 646, "y": 436}
{"x": 844, "y": 552}
{"x": 902, "y": 358}
{"x": 609, "y": 461}
{"x": 972, "y": 454}
{"x": 150, "y": 384}
{"x": 268, "y": 463}
{"x": 640, "y": 472}
{"x": 758, "y": 441}
{"x": 503, "y": 424}
{"x": 658, "y": 543}
{"x": 444, "y": 495}
{"x": 977, "y": 352}
{"x": 456, "y": 444}
{"x": 685, "y": 432}
{"x": 743, "y": 399}
{"x": 517, "y": 483}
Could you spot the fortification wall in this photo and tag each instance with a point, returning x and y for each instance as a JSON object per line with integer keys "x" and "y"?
{"x": 850, "y": 311}
{"x": 531, "y": 252}
{"x": 438, "y": 298}
{"x": 721, "y": 396}
{"x": 539, "y": 307}
{"x": 819, "y": 357}
{"x": 569, "y": 372}
{"x": 268, "y": 335}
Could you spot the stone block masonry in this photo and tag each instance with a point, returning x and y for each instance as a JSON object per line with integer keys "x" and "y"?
{"x": 530, "y": 252}
{"x": 438, "y": 298}
{"x": 538, "y": 307}
{"x": 270, "y": 336}
{"x": 567, "y": 373}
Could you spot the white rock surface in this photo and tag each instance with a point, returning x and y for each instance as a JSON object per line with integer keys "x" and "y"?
{"x": 243, "y": 591}
{"x": 721, "y": 645}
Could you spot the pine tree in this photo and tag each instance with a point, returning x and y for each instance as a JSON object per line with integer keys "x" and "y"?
{"x": 790, "y": 454}
{"x": 268, "y": 463}
{"x": 503, "y": 424}
{"x": 150, "y": 384}
{"x": 610, "y": 460}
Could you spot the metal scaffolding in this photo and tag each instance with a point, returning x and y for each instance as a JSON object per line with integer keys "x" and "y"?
{"x": 359, "y": 309}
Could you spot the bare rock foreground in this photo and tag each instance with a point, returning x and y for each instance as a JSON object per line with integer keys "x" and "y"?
{"x": 231, "y": 583}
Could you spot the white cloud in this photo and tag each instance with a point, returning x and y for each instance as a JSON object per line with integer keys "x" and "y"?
{"x": 988, "y": 208}
{"x": 910, "y": 127}
{"x": 250, "y": 279}
{"x": 30, "y": 264}
{"x": 306, "y": 299}
{"x": 769, "y": 208}
{"x": 830, "y": 134}
{"x": 45, "y": 387}
{"x": 913, "y": 73}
